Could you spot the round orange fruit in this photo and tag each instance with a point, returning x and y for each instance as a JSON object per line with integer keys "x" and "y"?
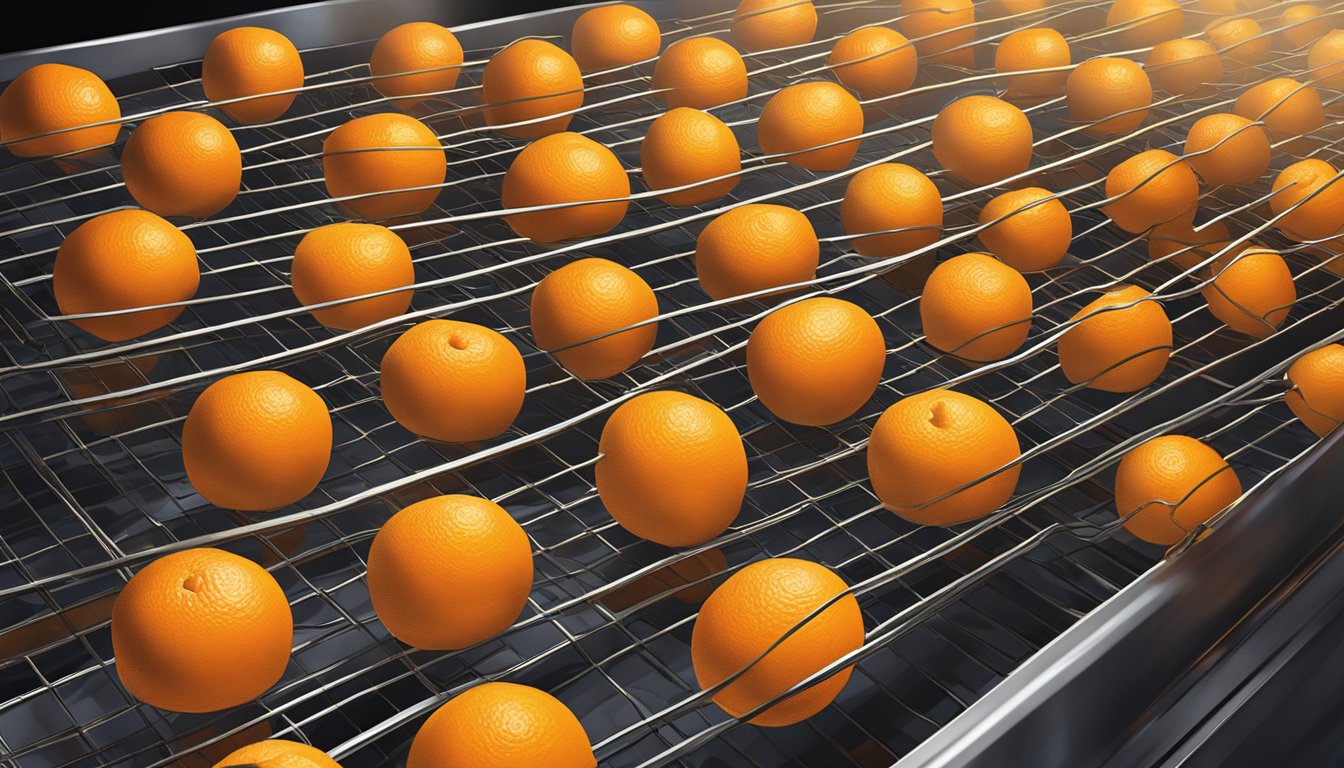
{"x": 55, "y": 109}
{"x": 1108, "y": 95}
{"x": 182, "y": 164}
{"x": 689, "y": 148}
{"x": 1317, "y": 394}
{"x": 527, "y": 82}
{"x": 982, "y": 139}
{"x": 342, "y": 260}
{"x": 999, "y": 9}
{"x": 941, "y": 458}
{"x": 256, "y": 441}
{"x": 1029, "y": 229}
{"x": 1301, "y": 25}
{"x": 565, "y": 169}
{"x": 278, "y": 753}
{"x": 1141, "y": 23}
{"x": 942, "y": 30}
{"x": 577, "y": 308}
{"x": 1224, "y": 148}
{"x": 1168, "y": 486}
{"x": 201, "y": 630}
{"x": 1251, "y": 291}
{"x": 744, "y": 623}
{"x": 699, "y": 72}
{"x": 874, "y": 62}
{"x": 382, "y": 162}
{"x": 755, "y": 247}
{"x": 817, "y": 361}
{"x": 1150, "y": 188}
{"x": 1186, "y": 246}
{"x": 891, "y": 196}
{"x": 612, "y": 36}
{"x": 414, "y": 62}
{"x": 672, "y": 469}
{"x": 1308, "y": 200}
{"x": 453, "y": 381}
{"x": 502, "y": 725}
{"x": 123, "y": 260}
{"x": 1031, "y": 49}
{"x": 976, "y": 308}
{"x": 1183, "y": 66}
{"x": 1286, "y": 107}
{"x": 807, "y": 115}
{"x": 1239, "y": 40}
{"x": 759, "y": 25}
{"x": 251, "y": 62}
{"x": 1118, "y": 343}
{"x": 1325, "y": 61}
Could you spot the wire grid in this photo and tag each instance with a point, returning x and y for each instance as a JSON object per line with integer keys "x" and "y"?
{"x": 95, "y": 484}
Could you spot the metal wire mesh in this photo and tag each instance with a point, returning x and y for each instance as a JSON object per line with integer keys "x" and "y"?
{"x": 94, "y": 485}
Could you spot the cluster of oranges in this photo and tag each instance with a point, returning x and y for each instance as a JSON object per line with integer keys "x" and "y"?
{"x": 261, "y": 440}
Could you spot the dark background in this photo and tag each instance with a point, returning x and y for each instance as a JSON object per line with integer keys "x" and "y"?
{"x": 49, "y": 22}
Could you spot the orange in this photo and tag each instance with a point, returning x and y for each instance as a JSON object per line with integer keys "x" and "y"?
{"x": 251, "y": 61}
{"x": 685, "y": 147}
{"x": 1000, "y": 8}
{"x": 982, "y": 139}
{"x": 52, "y": 98}
{"x": 1108, "y": 95}
{"x": 526, "y": 82}
{"x": 589, "y": 299}
{"x": 1251, "y": 291}
{"x": 278, "y": 753}
{"x": 1325, "y": 61}
{"x": 927, "y": 446}
{"x": 1308, "y": 200}
{"x": 1120, "y": 342}
{"x": 749, "y": 616}
{"x": 1239, "y": 40}
{"x": 1185, "y": 246}
{"x": 1302, "y": 24}
{"x": 874, "y": 62}
{"x": 1168, "y": 486}
{"x": 565, "y": 169}
{"x": 122, "y": 260}
{"x": 613, "y": 36}
{"x": 690, "y": 580}
{"x": 1183, "y": 66}
{"x": 1287, "y": 107}
{"x": 817, "y": 361}
{"x": 976, "y": 308}
{"x": 1224, "y": 148}
{"x": 755, "y": 247}
{"x": 1317, "y": 396}
{"x": 1029, "y": 229}
{"x": 377, "y": 156}
{"x": 1028, "y": 49}
{"x": 449, "y": 572}
{"x": 343, "y": 260}
{"x": 891, "y": 196}
{"x": 201, "y": 630}
{"x": 182, "y": 164}
{"x": 501, "y": 725}
{"x": 1150, "y": 188}
{"x": 1141, "y": 23}
{"x": 699, "y": 72}
{"x": 941, "y": 30}
{"x": 256, "y": 441}
{"x": 672, "y": 469}
{"x": 429, "y": 51}
{"x": 453, "y": 381}
{"x": 800, "y": 117}
{"x": 760, "y": 25}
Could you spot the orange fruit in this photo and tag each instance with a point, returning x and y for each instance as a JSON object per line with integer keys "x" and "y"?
{"x": 1302, "y": 24}
{"x": 800, "y": 117}
{"x": 1251, "y": 291}
{"x": 817, "y": 361}
{"x": 526, "y": 82}
{"x": 201, "y": 630}
{"x": 1108, "y": 95}
{"x": 754, "y": 247}
{"x": 942, "y": 30}
{"x": 891, "y": 196}
{"x": 122, "y": 260}
{"x": 589, "y": 299}
{"x": 1331, "y": 254}
{"x": 57, "y": 99}
{"x": 1287, "y": 108}
{"x": 256, "y": 441}
{"x": 1185, "y": 246}
{"x": 690, "y": 580}
{"x": 926, "y": 446}
{"x": 614, "y": 36}
{"x": 1183, "y": 66}
{"x": 1119, "y": 342}
{"x": 1325, "y": 61}
{"x": 501, "y": 725}
{"x": 672, "y": 468}
{"x": 685, "y": 146}
{"x": 1308, "y": 200}
{"x": 182, "y": 164}
{"x": 1150, "y": 188}
{"x": 1141, "y": 23}
{"x": 474, "y": 370}
{"x": 430, "y": 52}
{"x": 699, "y": 72}
{"x": 976, "y": 308}
{"x": 373, "y": 156}
{"x": 1029, "y": 229}
{"x": 278, "y": 753}
{"x": 1224, "y": 148}
{"x": 251, "y": 61}
{"x": 982, "y": 139}
{"x": 749, "y": 616}
{"x": 1027, "y": 49}
{"x": 1000, "y": 8}
{"x": 565, "y": 169}
{"x": 347, "y": 259}
{"x": 759, "y": 25}
{"x": 449, "y": 572}
{"x": 1239, "y": 40}
{"x": 1317, "y": 396}
{"x": 874, "y": 62}
{"x": 1168, "y": 486}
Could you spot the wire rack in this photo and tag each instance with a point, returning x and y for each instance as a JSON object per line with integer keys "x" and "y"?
{"x": 94, "y": 485}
